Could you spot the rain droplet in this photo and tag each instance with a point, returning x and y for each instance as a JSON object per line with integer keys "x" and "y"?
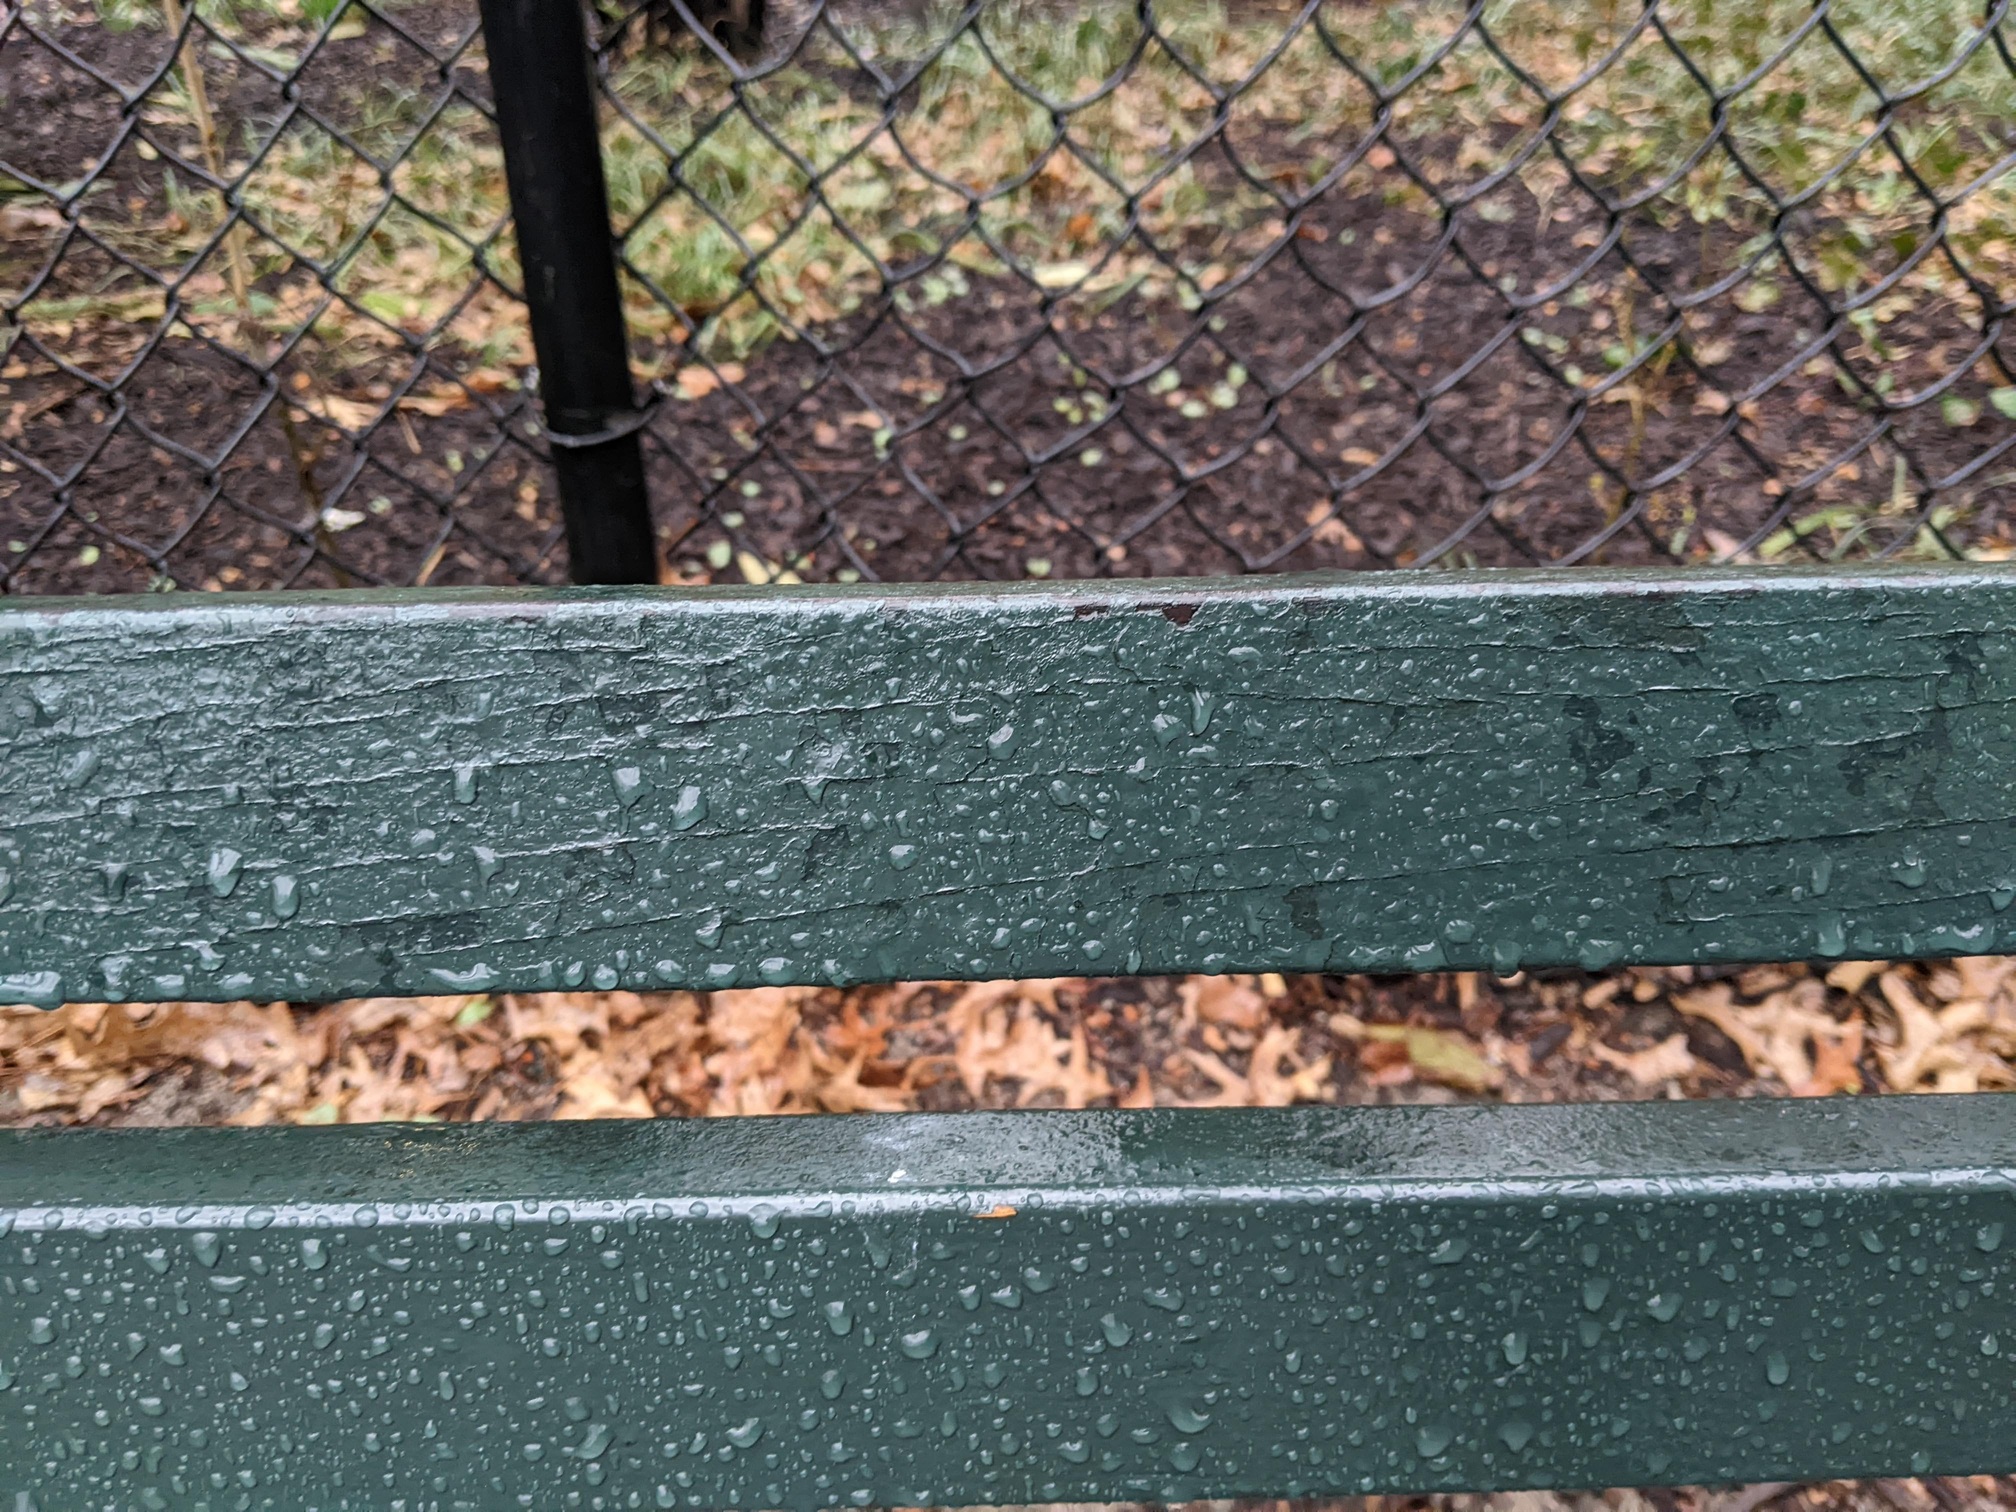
{"x": 79, "y": 767}
{"x": 690, "y": 808}
{"x": 206, "y": 1245}
{"x": 1988, "y": 1238}
{"x": 465, "y": 782}
{"x": 286, "y": 896}
{"x": 745, "y": 1436}
{"x": 1431, "y": 1439}
{"x": 1516, "y": 1434}
{"x": 902, "y": 857}
{"x": 1515, "y": 1349}
{"x": 629, "y": 782}
{"x": 1201, "y": 706}
{"x": 919, "y": 1345}
{"x": 1830, "y": 935}
{"x": 1777, "y": 1370}
{"x": 1187, "y": 1419}
{"x": 222, "y": 870}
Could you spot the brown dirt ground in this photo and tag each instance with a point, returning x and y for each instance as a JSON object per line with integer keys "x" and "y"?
{"x": 877, "y": 443}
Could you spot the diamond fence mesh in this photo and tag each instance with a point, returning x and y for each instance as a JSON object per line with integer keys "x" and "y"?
{"x": 1020, "y": 289}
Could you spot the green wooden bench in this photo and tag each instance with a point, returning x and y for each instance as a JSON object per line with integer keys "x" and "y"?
{"x": 311, "y": 796}
{"x": 308, "y": 796}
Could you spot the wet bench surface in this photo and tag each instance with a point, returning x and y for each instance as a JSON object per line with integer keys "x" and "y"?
{"x": 315, "y": 796}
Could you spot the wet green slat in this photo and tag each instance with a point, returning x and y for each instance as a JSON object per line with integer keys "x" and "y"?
{"x": 1006, "y": 1308}
{"x": 318, "y": 795}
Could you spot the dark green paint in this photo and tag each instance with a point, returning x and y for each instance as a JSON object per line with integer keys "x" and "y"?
{"x": 806, "y": 1313}
{"x": 309, "y": 796}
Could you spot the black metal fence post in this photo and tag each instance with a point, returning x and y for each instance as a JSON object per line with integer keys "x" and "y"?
{"x": 545, "y": 92}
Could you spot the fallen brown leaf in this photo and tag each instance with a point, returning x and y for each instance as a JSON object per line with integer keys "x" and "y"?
{"x": 1853, "y": 976}
{"x": 1667, "y": 1061}
{"x": 1230, "y": 1001}
{"x": 436, "y": 402}
{"x": 1836, "y": 1065}
{"x": 999, "y": 1034}
{"x": 1776, "y": 1035}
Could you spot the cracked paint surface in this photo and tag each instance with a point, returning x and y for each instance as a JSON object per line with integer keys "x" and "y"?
{"x": 309, "y": 796}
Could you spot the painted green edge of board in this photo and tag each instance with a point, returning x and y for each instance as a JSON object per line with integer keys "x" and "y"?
{"x": 309, "y": 796}
{"x": 1027, "y": 1307}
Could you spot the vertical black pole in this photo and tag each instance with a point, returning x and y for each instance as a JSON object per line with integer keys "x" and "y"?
{"x": 545, "y": 91}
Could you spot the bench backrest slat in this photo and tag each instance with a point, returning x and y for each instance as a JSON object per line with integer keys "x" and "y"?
{"x": 313, "y": 796}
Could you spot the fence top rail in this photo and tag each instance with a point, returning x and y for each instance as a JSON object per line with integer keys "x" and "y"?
{"x": 308, "y": 797}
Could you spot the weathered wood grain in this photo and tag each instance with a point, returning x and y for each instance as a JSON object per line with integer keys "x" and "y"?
{"x": 309, "y": 796}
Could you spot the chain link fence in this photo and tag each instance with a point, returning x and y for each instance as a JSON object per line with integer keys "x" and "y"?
{"x": 1021, "y": 289}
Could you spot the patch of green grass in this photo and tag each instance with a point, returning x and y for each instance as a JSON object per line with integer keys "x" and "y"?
{"x": 1056, "y": 200}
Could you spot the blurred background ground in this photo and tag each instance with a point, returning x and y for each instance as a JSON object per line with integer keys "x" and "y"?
{"x": 1862, "y": 1027}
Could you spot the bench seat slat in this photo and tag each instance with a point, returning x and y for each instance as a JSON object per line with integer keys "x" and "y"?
{"x": 312, "y": 796}
{"x": 1006, "y": 1308}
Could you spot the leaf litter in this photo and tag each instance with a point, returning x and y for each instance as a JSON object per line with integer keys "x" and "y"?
{"x": 1228, "y": 1041}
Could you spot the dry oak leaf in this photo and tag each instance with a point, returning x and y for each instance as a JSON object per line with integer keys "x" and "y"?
{"x": 997, "y": 1032}
{"x": 1781, "y": 1034}
{"x": 1231, "y": 1001}
{"x": 1836, "y": 1065}
{"x": 1667, "y": 1061}
{"x": 759, "y": 1068}
{"x": 1938, "y": 1046}
{"x": 1264, "y": 1085}
{"x": 841, "y": 1090}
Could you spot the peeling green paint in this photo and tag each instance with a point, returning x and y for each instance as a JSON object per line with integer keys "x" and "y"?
{"x": 308, "y": 795}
